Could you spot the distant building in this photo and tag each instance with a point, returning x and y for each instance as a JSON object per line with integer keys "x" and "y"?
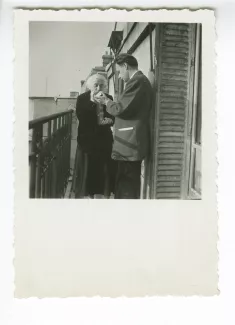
{"x": 40, "y": 106}
{"x": 74, "y": 94}
{"x": 107, "y": 58}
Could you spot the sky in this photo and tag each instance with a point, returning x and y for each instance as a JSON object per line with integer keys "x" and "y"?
{"x": 61, "y": 54}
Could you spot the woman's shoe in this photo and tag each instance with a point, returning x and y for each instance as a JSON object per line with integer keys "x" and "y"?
{"x": 98, "y": 196}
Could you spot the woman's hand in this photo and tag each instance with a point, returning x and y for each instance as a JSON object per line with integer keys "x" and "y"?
{"x": 106, "y": 121}
{"x": 100, "y": 98}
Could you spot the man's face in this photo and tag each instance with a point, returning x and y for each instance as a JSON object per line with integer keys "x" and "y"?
{"x": 123, "y": 71}
{"x": 98, "y": 85}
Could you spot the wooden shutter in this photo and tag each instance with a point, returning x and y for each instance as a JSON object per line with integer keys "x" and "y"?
{"x": 174, "y": 58}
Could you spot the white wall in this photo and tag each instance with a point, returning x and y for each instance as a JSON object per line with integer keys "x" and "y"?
{"x": 111, "y": 87}
{"x": 134, "y": 35}
{"x": 142, "y": 54}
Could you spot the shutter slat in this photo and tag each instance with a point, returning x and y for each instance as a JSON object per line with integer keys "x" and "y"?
{"x": 179, "y": 44}
{"x": 172, "y": 65}
{"x": 178, "y": 117}
{"x": 173, "y": 100}
{"x": 169, "y": 189}
{"x": 169, "y": 150}
{"x": 175, "y": 72}
{"x": 165, "y": 162}
{"x": 172, "y": 105}
{"x": 172, "y": 134}
{"x": 178, "y": 27}
{"x": 174, "y": 60}
{"x": 171, "y": 128}
{"x": 167, "y": 138}
{"x": 167, "y": 196}
{"x": 175, "y": 49}
{"x": 168, "y": 178}
{"x": 168, "y": 184}
{"x": 172, "y": 145}
{"x": 172, "y": 89}
{"x": 176, "y": 33}
{"x": 173, "y": 54}
{"x": 170, "y": 168}
{"x": 174, "y": 38}
{"x": 169, "y": 173}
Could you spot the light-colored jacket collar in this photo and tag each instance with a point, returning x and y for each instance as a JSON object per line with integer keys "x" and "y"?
{"x": 138, "y": 71}
{"x": 134, "y": 74}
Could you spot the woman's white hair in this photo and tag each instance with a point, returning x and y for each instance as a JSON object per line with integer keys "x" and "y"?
{"x": 91, "y": 80}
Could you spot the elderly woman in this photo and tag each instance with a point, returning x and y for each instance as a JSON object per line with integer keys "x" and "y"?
{"x": 95, "y": 169}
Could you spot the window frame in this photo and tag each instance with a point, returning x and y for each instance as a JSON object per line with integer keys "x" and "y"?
{"x": 192, "y": 192}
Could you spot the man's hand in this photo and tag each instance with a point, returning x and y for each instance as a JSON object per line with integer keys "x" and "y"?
{"x": 101, "y": 98}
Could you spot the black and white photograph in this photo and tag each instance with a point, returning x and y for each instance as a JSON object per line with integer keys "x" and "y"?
{"x": 115, "y": 105}
{"x": 115, "y": 110}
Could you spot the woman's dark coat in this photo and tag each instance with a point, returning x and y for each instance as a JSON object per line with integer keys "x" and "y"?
{"x": 92, "y": 137}
{"x": 94, "y": 169}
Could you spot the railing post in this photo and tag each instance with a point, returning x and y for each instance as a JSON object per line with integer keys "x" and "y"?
{"x": 64, "y": 158}
{"x": 58, "y": 190}
{"x": 48, "y": 170}
{"x": 39, "y": 162}
{"x": 70, "y": 120}
{"x": 54, "y": 162}
{"x": 32, "y": 186}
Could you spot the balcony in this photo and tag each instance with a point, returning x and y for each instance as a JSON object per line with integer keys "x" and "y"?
{"x": 49, "y": 155}
{"x": 53, "y": 156}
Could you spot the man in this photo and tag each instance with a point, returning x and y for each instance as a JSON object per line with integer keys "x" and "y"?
{"x": 131, "y": 128}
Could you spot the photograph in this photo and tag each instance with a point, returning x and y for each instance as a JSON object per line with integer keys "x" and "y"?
{"x": 115, "y": 110}
{"x": 115, "y": 153}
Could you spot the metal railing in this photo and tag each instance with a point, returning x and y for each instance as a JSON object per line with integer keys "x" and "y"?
{"x": 49, "y": 155}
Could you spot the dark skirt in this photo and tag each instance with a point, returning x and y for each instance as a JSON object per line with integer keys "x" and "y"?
{"x": 94, "y": 173}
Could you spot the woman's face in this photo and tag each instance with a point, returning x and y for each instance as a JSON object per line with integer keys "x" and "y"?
{"x": 98, "y": 85}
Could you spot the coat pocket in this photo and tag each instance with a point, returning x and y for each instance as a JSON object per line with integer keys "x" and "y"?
{"x": 125, "y": 139}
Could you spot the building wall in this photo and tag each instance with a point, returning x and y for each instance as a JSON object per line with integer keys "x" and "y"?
{"x": 111, "y": 87}
{"x": 142, "y": 54}
{"x": 121, "y": 26}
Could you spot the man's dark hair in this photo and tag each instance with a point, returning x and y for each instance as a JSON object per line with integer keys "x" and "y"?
{"x": 128, "y": 59}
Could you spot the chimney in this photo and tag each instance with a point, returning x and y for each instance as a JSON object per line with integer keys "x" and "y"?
{"x": 107, "y": 58}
